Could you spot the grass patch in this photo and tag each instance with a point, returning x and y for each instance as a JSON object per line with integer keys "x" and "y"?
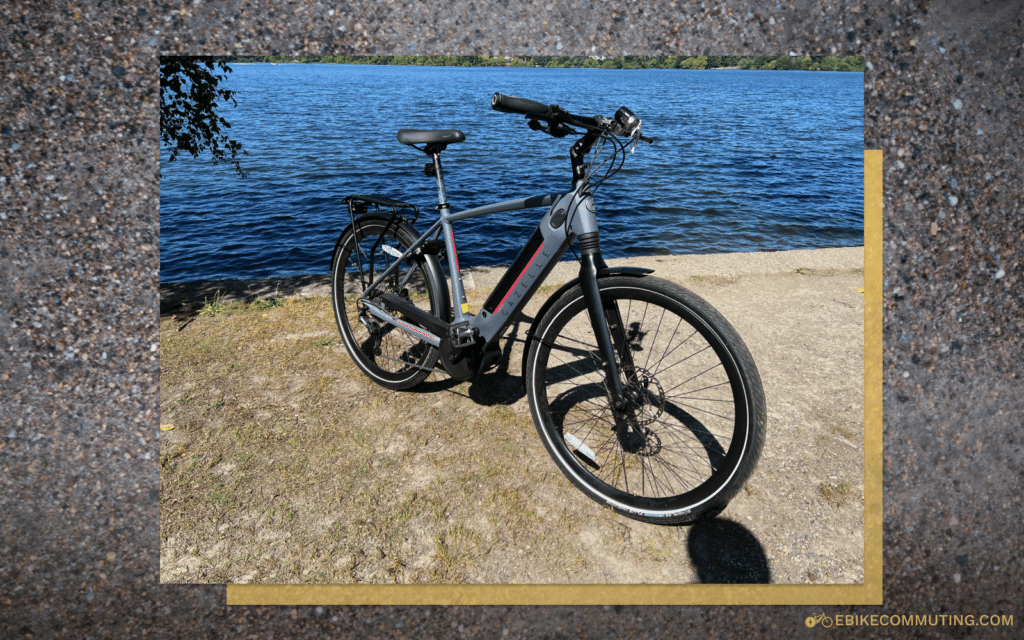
{"x": 217, "y": 306}
{"x": 241, "y": 458}
{"x": 511, "y": 508}
{"x": 845, "y": 432}
{"x": 262, "y": 304}
{"x": 413, "y": 505}
{"x": 838, "y": 494}
{"x": 184, "y": 399}
{"x": 454, "y": 549}
{"x": 337, "y": 532}
{"x": 223, "y": 497}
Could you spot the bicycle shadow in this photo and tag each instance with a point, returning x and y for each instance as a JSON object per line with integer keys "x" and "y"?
{"x": 726, "y": 552}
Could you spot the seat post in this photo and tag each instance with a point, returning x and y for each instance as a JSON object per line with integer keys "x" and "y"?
{"x": 442, "y": 197}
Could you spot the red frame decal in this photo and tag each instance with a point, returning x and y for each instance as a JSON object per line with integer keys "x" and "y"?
{"x": 516, "y": 283}
{"x": 455, "y": 256}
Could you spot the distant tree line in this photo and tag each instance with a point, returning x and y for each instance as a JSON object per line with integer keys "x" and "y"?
{"x": 784, "y": 63}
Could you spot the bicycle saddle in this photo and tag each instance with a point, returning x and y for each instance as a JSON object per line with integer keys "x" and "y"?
{"x": 425, "y": 136}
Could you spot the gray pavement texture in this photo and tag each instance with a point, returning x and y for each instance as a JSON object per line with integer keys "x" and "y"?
{"x": 79, "y": 237}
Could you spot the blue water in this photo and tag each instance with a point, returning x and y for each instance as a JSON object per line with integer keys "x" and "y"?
{"x": 744, "y": 161}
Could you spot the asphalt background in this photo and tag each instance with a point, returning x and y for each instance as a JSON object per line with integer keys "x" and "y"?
{"x": 79, "y": 237}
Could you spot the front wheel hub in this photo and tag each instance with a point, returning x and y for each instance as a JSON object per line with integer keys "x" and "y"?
{"x": 643, "y": 395}
{"x": 642, "y": 404}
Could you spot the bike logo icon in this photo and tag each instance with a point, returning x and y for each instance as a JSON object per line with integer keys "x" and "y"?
{"x": 825, "y": 621}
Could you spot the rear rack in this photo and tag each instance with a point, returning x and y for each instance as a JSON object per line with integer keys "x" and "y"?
{"x": 361, "y": 204}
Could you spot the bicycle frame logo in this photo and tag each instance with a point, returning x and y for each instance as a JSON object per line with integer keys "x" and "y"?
{"x": 821, "y": 618}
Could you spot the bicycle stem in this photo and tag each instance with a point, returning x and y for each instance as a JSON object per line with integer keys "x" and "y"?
{"x": 576, "y": 155}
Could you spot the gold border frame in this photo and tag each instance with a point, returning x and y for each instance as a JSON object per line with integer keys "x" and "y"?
{"x": 868, "y": 593}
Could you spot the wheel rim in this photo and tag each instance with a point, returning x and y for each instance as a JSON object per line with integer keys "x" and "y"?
{"x": 681, "y": 436}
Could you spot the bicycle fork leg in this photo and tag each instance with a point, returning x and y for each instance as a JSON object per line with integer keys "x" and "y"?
{"x": 605, "y": 320}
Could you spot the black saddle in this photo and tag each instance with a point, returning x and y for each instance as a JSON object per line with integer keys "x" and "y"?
{"x": 429, "y": 137}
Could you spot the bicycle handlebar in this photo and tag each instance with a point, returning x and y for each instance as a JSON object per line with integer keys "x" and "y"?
{"x": 621, "y": 124}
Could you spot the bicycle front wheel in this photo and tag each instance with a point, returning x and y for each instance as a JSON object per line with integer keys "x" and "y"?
{"x": 389, "y": 356}
{"x": 694, "y": 425}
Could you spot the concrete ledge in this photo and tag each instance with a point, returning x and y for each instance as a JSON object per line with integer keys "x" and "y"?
{"x": 677, "y": 268}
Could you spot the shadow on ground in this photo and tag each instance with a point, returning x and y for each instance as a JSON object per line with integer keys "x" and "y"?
{"x": 725, "y": 552}
{"x": 176, "y": 295}
{"x": 502, "y": 385}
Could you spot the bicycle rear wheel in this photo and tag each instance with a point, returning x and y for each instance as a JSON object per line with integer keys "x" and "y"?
{"x": 389, "y": 356}
{"x": 694, "y": 426}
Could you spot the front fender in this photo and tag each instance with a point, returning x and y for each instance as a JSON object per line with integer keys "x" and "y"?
{"x": 638, "y": 272}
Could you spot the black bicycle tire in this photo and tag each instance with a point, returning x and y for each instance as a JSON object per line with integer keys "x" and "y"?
{"x": 744, "y": 446}
{"x": 372, "y": 225}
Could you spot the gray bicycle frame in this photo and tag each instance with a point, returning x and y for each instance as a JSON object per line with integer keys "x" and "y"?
{"x": 569, "y": 216}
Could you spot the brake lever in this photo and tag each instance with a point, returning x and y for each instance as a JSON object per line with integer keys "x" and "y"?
{"x": 638, "y": 138}
{"x": 558, "y": 130}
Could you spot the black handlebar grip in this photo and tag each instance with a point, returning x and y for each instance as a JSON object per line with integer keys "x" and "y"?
{"x": 511, "y": 104}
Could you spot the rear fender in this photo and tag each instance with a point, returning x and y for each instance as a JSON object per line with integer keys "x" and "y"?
{"x": 431, "y": 265}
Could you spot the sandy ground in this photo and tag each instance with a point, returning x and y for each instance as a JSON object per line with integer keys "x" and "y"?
{"x": 798, "y": 520}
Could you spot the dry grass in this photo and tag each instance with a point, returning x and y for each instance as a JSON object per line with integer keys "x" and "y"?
{"x": 837, "y": 494}
{"x": 287, "y": 465}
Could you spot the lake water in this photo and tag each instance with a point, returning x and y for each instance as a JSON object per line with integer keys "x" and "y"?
{"x": 743, "y": 161}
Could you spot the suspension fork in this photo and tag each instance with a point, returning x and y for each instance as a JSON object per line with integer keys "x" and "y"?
{"x": 605, "y": 319}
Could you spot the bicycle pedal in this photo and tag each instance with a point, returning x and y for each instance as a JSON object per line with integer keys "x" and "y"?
{"x": 460, "y": 335}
